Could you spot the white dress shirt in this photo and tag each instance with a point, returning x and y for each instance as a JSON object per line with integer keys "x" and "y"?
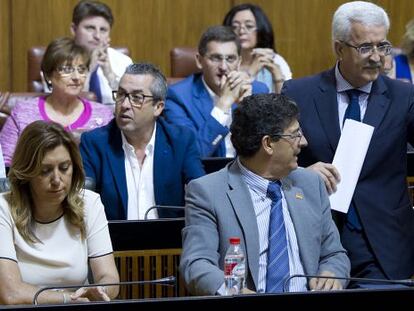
{"x": 342, "y": 98}
{"x": 140, "y": 180}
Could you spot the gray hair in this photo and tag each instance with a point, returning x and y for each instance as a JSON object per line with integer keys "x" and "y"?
{"x": 159, "y": 85}
{"x": 366, "y": 13}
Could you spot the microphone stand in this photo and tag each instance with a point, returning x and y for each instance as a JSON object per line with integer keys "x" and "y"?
{"x": 169, "y": 281}
{"x": 408, "y": 282}
{"x": 162, "y": 207}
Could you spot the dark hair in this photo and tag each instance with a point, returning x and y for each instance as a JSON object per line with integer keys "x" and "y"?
{"x": 265, "y": 37}
{"x": 59, "y": 52}
{"x": 219, "y": 34}
{"x": 159, "y": 85}
{"x": 259, "y": 115}
{"x": 90, "y": 8}
{"x": 36, "y": 140}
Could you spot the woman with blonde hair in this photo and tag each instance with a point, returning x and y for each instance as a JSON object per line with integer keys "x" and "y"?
{"x": 51, "y": 227}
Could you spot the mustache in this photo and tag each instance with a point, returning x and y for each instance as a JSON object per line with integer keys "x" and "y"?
{"x": 372, "y": 65}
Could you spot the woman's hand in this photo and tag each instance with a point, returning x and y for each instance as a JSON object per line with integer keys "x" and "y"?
{"x": 91, "y": 294}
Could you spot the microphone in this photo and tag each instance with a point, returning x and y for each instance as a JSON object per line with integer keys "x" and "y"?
{"x": 169, "y": 281}
{"x": 406, "y": 282}
{"x": 162, "y": 207}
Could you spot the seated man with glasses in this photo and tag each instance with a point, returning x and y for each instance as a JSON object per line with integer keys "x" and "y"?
{"x": 378, "y": 230}
{"x": 65, "y": 67}
{"x": 280, "y": 212}
{"x": 138, "y": 160}
{"x": 204, "y": 102}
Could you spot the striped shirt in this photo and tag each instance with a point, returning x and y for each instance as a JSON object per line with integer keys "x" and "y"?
{"x": 258, "y": 191}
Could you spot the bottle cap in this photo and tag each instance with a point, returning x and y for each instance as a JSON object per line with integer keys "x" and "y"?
{"x": 234, "y": 240}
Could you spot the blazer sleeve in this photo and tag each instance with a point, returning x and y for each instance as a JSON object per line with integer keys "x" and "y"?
{"x": 192, "y": 166}
{"x": 200, "y": 259}
{"x": 209, "y": 132}
{"x": 333, "y": 256}
{"x": 88, "y": 155}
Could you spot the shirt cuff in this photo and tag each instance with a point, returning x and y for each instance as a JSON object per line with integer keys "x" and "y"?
{"x": 222, "y": 117}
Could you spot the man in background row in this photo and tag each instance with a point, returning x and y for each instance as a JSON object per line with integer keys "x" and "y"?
{"x": 204, "y": 102}
{"x": 91, "y": 27}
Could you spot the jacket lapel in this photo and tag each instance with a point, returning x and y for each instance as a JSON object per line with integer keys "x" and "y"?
{"x": 116, "y": 163}
{"x": 327, "y": 108}
{"x": 378, "y": 104}
{"x": 298, "y": 209}
{"x": 241, "y": 202}
{"x": 202, "y": 100}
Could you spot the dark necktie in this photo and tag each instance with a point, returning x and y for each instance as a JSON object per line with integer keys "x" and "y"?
{"x": 94, "y": 85}
{"x": 353, "y": 112}
{"x": 277, "y": 253}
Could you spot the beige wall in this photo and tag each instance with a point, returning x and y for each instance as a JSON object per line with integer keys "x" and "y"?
{"x": 150, "y": 28}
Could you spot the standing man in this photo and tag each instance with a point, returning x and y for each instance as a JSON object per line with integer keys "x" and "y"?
{"x": 204, "y": 102}
{"x": 91, "y": 27}
{"x": 280, "y": 212}
{"x": 138, "y": 160}
{"x": 378, "y": 229}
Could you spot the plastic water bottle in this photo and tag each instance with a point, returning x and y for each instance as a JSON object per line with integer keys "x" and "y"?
{"x": 234, "y": 268}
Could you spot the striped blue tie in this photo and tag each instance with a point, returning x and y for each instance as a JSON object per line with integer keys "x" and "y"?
{"x": 277, "y": 253}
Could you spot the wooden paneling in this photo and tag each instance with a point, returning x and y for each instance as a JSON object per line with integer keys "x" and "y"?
{"x": 303, "y": 29}
{"x": 150, "y": 28}
{"x": 145, "y": 265}
{"x": 5, "y": 63}
{"x": 35, "y": 22}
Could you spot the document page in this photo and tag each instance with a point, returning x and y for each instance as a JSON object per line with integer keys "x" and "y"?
{"x": 349, "y": 157}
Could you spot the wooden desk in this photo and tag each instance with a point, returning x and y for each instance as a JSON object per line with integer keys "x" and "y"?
{"x": 148, "y": 250}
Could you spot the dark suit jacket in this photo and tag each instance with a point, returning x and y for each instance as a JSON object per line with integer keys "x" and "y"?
{"x": 176, "y": 162}
{"x": 189, "y": 104}
{"x": 381, "y": 195}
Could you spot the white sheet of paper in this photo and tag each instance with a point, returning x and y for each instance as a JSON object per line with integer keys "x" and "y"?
{"x": 348, "y": 159}
{"x": 2, "y": 167}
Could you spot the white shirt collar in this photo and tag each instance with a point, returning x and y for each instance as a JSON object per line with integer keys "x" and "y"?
{"x": 149, "y": 149}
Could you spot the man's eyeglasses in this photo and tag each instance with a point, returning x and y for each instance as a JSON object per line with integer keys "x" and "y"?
{"x": 249, "y": 28}
{"x": 65, "y": 70}
{"x": 218, "y": 59}
{"x": 136, "y": 99}
{"x": 384, "y": 48}
{"x": 295, "y": 137}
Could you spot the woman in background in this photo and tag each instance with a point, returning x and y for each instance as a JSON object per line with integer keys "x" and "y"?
{"x": 65, "y": 67}
{"x": 50, "y": 227}
{"x": 403, "y": 64}
{"x": 259, "y": 57}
